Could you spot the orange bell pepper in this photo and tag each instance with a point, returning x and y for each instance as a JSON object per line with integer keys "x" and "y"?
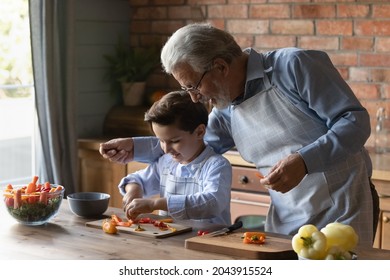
{"x": 253, "y": 237}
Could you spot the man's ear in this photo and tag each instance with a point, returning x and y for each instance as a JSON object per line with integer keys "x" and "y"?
{"x": 200, "y": 131}
{"x": 221, "y": 65}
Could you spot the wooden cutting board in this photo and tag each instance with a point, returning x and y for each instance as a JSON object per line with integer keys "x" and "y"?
{"x": 231, "y": 244}
{"x": 150, "y": 229}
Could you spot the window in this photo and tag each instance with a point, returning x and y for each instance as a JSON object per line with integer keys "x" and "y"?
{"x": 17, "y": 110}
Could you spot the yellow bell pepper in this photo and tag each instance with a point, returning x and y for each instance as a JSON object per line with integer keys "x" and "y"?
{"x": 310, "y": 243}
{"x": 340, "y": 235}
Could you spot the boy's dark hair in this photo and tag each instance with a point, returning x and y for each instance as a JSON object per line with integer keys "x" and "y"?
{"x": 177, "y": 108}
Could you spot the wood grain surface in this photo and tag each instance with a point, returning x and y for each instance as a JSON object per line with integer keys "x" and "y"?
{"x": 150, "y": 229}
{"x": 231, "y": 244}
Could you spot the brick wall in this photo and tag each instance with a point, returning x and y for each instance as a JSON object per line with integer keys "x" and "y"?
{"x": 355, "y": 34}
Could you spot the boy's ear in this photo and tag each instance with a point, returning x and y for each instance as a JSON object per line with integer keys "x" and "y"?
{"x": 200, "y": 131}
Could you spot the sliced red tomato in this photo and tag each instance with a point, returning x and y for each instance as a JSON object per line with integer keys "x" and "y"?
{"x": 160, "y": 225}
{"x": 202, "y": 232}
{"x": 115, "y": 218}
{"x": 145, "y": 220}
{"x": 124, "y": 224}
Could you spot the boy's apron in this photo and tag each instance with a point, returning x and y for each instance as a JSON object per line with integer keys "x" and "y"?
{"x": 267, "y": 128}
{"x": 170, "y": 184}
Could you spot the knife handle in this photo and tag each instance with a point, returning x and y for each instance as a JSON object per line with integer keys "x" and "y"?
{"x": 235, "y": 226}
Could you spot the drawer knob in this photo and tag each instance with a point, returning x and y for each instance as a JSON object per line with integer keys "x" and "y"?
{"x": 244, "y": 180}
{"x": 385, "y": 219}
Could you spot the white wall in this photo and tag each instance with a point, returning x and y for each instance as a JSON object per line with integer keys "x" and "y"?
{"x": 98, "y": 23}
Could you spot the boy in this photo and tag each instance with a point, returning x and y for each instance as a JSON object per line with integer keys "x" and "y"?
{"x": 193, "y": 182}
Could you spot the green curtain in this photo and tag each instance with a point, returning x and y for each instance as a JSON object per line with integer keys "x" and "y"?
{"x": 52, "y": 38}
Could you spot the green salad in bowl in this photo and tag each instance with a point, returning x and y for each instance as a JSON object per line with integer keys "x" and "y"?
{"x": 34, "y": 203}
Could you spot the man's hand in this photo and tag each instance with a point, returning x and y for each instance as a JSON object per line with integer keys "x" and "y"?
{"x": 286, "y": 174}
{"x": 120, "y": 150}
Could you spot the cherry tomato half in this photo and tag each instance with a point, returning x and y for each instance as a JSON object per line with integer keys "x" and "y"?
{"x": 202, "y": 232}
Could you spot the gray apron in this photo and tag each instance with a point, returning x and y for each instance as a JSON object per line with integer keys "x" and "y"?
{"x": 267, "y": 128}
{"x": 170, "y": 184}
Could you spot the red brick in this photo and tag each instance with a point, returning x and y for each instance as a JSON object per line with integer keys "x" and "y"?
{"x": 247, "y": 26}
{"x": 319, "y": 43}
{"x": 313, "y": 11}
{"x": 352, "y": 11}
{"x": 227, "y": 11}
{"x": 380, "y": 75}
{"x": 161, "y": 2}
{"x": 382, "y": 44}
{"x": 204, "y": 2}
{"x": 269, "y": 11}
{"x": 343, "y": 72}
{"x": 334, "y": 27}
{"x": 377, "y": 60}
{"x": 180, "y": 12}
{"x": 381, "y": 11}
{"x": 245, "y": 41}
{"x": 139, "y": 26}
{"x": 286, "y": 1}
{"x": 274, "y": 42}
{"x": 357, "y": 43}
{"x": 372, "y": 27}
{"x": 359, "y": 74}
{"x": 344, "y": 58}
{"x": 365, "y": 91}
{"x": 166, "y": 27}
{"x": 385, "y": 89}
{"x": 218, "y": 23}
{"x": 291, "y": 27}
{"x": 151, "y": 12}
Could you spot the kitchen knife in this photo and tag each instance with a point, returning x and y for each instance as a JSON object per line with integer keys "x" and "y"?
{"x": 234, "y": 226}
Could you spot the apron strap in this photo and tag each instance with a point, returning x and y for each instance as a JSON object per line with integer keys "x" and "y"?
{"x": 267, "y": 82}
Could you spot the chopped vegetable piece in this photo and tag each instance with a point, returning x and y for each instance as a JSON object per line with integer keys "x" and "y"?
{"x": 109, "y": 226}
{"x": 253, "y": 237}
{"x": 139, "y": 228}
{"x": 43, "y": 198}
{"x": 17, "y": 199}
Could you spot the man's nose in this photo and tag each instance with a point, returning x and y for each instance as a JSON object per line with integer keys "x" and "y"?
{"x": 195, "y": 96}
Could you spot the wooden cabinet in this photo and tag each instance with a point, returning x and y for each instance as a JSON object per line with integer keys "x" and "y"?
{"x": 382, "y": 239}
{"x": 97, "y": 174}
{"x": 246, "y": 202}
{"x": 385, "y": 230}
{"x": 249, "y": 200}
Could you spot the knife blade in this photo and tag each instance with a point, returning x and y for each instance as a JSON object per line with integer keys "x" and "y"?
{"x": 234, "y": 226}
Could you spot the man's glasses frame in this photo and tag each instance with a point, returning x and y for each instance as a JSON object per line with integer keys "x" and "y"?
{"x": 196, "y": 88}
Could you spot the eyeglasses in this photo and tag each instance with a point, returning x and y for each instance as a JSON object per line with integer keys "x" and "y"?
{"x": 194, "y": 89}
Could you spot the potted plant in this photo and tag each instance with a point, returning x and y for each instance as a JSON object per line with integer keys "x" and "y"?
{"x": 128, "y": 70}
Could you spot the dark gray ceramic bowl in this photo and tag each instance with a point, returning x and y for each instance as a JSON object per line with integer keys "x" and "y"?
{"x": 88, "y": 204}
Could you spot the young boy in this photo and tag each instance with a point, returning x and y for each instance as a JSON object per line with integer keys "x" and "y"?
{"x": 193, "y": 182}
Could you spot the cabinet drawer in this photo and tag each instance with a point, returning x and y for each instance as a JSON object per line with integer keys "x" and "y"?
{"x": 243, "y": 204}
{"x": 246, "y": 179}
{"x": 385, "y": 242}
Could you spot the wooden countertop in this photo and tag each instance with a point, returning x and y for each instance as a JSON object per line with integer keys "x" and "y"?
{"x": 67, "y": 238}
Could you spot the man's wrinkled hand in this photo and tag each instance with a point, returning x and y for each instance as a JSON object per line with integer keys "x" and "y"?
{"x": 119, "y": 150}
{"x": 286, "y": 174}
